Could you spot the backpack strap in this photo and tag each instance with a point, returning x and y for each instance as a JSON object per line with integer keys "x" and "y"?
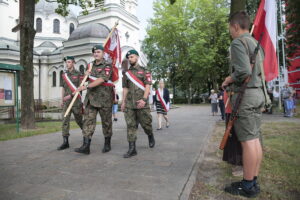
{"x": 263, "y": 78}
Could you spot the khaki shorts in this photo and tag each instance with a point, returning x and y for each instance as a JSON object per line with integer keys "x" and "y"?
{"x": 248, "y": 123}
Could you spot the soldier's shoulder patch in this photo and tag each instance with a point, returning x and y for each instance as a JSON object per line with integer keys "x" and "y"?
{"x": 148, "y": 76}
{"x": 148, "y": 73}
{"x": 107, "y": 70}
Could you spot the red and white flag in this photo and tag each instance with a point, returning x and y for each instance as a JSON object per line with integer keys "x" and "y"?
{"x": 112, "y": 49}
{"x": 266, "y": 23}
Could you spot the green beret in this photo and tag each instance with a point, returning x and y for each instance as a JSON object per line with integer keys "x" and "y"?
{"x": 98, "y": 46}
{"x": 69, "y": 58}
{"x": 130, "y": 52}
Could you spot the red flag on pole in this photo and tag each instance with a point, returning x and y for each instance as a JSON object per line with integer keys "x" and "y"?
{"x": 266, "y": 22}
{"x": 113, "y": 50}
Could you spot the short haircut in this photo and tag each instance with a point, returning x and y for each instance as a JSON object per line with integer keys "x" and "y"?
{"x": 241, "y": 18}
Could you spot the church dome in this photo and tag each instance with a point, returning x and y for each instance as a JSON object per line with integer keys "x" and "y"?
{"x": 46, "y": 7}
{"x": 89, "y": 31}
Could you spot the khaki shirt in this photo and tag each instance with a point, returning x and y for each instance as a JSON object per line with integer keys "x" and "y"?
{"x": 240, "y": 62}
{"x": 134, "y": 92}
{"x": 100, "y": 96}
{"x": 75, "y": 77}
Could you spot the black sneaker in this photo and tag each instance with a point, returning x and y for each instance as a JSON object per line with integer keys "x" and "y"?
{"x": 237, "y": 188}
{"x": 256, "y": 185}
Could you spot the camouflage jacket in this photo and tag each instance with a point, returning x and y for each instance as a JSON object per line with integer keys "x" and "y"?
{"x": 100, "y": 96}
{"x": 75, "y": 77}
{"x": 134, "y": 92}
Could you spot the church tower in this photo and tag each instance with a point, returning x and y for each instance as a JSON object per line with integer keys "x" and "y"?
{"x": 123, "y": 11}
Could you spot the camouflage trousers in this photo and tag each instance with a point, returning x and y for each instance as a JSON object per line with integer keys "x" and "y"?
{"x": 134, "y": 117}
{"x": 77, "y": 112}
{"x": 89, "y": 122}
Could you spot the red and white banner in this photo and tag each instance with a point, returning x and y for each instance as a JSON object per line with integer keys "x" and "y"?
{"x": 72, "y": 87}
{"x": 109, "y": 83}
{"x": 112, "y": 49}
{"x": 135, "y": 80}
{"x": 266, "y": 23}
{"x": 165, "y": 105}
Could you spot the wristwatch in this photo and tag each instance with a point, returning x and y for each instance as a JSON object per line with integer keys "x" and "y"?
{"x": 144, "y": 99}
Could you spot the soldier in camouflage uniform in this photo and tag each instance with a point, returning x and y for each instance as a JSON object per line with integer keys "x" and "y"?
{"x": 247, "y": 125}
{"x": 135, "y": 102}
{"x": 99, "y": 99}
{"x": 74, "y": 76}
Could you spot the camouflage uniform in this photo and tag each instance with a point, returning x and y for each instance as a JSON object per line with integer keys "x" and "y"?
{"x": 247, "y": 125}
{"x": 99, "y": 99}
{"x": 75, "y": 76}
{"x": 133, "y": 115}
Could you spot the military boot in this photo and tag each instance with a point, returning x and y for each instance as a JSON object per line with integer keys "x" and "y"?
{"x": 85, "y": 148}
{"x": 151, "y": 140}
{"x": 131, "y": 151}
{"x": 65, "y": 143}
{"x": 107, "y": 146}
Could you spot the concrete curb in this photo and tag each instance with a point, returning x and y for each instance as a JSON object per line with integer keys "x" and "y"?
{"x": 186, "y": 190}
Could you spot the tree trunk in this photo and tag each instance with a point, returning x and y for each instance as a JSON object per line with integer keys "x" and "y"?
{"x": 27, "y": 33}
{"x": 237, "y": 5}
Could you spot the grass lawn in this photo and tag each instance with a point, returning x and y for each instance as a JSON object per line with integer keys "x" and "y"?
{"x": 280, "y": 172}
{"x": 8, "y": 131}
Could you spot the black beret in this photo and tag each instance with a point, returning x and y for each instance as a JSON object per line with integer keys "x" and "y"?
{"x": 69, "y": 58}
{"x": 130, "y": 52}
{"x": 98, "y": 47}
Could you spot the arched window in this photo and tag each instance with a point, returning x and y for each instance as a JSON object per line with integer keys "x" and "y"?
{"x": 81, "y": 69}
{"x": 53, "y": 79}
{"x": 56, "y": 26}
{"x": 39, "y": 25}
{"x": 71, "y": 28}
{"x": 60, "y": 78}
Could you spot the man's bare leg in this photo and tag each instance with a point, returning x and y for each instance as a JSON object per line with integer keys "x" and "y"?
{"x": 250, "y": 159}
{"x": 259, "y": 156}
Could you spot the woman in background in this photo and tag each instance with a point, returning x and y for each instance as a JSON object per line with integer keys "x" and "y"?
{"x": 115, "y": 106}
{"x": 162, "y": 103}
{"x": 214, "y": 102}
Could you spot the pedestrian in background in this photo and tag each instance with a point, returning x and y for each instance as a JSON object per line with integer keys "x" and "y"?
{"x": 221, "y": 103}
{"x": 214, "y": 102}
{"x": 162, "y": 103}
{"x": 115, "y": 106}
{"x": 288, "y": 103}
{"x": 294, "y": 96}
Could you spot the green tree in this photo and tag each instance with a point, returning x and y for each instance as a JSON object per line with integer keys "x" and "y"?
{"x": 237, "y": 5}
{"x": 27, "y": 34}
{"x": 187, "y": 44}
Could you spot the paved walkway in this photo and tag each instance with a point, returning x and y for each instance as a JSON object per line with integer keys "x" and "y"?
{"x": 31, "y": 168}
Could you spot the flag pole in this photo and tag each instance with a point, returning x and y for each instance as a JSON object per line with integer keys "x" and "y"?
{"x": 89, "y": 69}
{"x": 252, "y": 29}
{"x": 279, "y": 73}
